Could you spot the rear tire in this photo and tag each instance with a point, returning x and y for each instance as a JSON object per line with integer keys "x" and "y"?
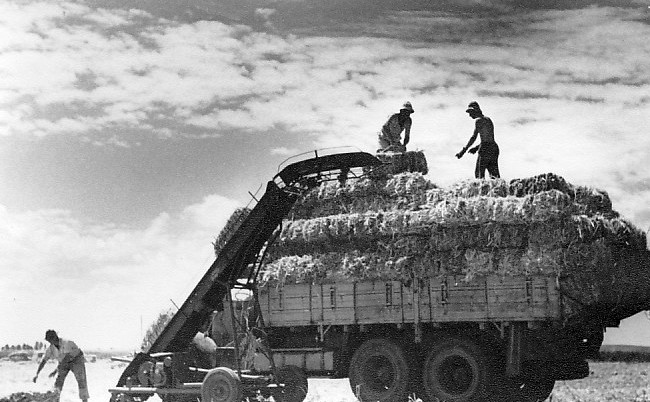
{"x": 456, "y": 370}
{"x": 530, "y": 390}
{"x": 380, "y": 369}
{"x": 221, "y": 385}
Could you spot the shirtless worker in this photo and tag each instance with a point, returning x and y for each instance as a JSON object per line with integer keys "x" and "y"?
{"x": 391, "y": 131}
{"x": 488, "y": 150}
{"x": 70, "y": 358}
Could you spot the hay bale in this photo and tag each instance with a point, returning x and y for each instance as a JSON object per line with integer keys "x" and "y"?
{"x": 49, "y": 396}
{"x": 539, "y": 183}
{"x": 398, "y": 162}
{"x": 593, "y": 201}
{"x": 479, "y": 187}
{"x": 400, "y": 191}
{"x": 230, "y": 228}
{"x": 552, "y": 204}
{"x": 396, "y": 225}
{"x": 586, "y": 229}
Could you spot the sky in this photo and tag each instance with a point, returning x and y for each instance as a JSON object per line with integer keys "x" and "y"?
{"x": 130, "y": 131}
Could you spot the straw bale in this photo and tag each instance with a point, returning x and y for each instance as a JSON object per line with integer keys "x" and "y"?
{"x": 435, "y": 195}
{"x": 233, "y": 223}
{"x": 477, "y": 263}
{"x": 479, "y": 187}
{"x": 481, "y": 236}
{"x": 454, "y": 212}
{"x": 400, "y": 191}
{"x": 587, "y": 272}
{"x": 539, "y": 183}
{"x": 550, "y": 205}
{"x": 541, "y": 261}
{"x": 512, "y": 210}
{"x": 398, "y": 162}
{"x": 592, "y": 201}
{"x": 586, "y": 229}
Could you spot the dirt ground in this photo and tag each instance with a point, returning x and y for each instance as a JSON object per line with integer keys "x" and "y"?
{"x": 609, "y": 381}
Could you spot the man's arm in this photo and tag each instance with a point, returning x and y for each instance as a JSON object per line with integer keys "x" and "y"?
{"x": 40, "y": 367}
{"x": 469, "y": 144}
{"x": 407, "y": 131}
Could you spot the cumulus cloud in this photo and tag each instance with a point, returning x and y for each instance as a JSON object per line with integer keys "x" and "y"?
{"x": 72, "y": 272}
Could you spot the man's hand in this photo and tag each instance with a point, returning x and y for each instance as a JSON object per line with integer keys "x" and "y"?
{"x": 53, "y": 373}
{"x": 474, "y": 149}
{"x": 35, "y": 378}
{"x": 460, "y": 154}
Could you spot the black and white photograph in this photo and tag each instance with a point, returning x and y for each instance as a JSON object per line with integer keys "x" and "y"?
{"x": 324, "y": 200}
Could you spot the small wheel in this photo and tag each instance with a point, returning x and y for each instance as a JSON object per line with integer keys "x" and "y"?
{"x": 379, "y": 371}
{"x": 221, "y": 385}
{"x": 456, "y": 370}
{"x": 295, "y": 384}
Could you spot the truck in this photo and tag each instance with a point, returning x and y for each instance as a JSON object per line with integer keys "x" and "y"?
{"x": 440, "y": 337}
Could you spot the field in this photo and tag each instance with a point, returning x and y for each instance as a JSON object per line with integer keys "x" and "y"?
{"x": 609, "y": 381}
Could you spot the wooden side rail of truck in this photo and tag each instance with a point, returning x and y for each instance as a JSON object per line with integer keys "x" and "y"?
{"x": 443, "y": 338}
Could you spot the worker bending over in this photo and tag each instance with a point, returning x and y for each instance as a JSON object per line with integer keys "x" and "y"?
{"x": 391, "y": 131}
{"x": 70, "y": 358}
{"x": 488, "y": 150}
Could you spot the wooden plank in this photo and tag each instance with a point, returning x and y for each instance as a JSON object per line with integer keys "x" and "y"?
{"x": 443, "y": 299}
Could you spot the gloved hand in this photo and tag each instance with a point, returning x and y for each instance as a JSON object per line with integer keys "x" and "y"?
{"x": 474, "y": 149}
{"x": 461, "y": 153}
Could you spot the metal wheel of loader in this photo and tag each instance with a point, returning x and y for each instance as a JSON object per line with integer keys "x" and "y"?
{"x": 121, "y": 398}
{"x": 221, "y": 385}
{"x": 295, "y": 384}
{"x": 379, "y": 371}
{"x": 455, "y": 370}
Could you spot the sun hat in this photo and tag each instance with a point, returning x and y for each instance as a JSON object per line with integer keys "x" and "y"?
{"x": 473, "y": 105}
{"x": 408, "y": 106}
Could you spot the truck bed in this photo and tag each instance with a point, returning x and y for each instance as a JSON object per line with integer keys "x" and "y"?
{"x": 445, "y": 299}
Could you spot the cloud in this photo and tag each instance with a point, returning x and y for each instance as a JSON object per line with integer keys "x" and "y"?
{"x": 209, "y": 78}
{"x": 284, "y": 151}
{"x": 92, "y": 272}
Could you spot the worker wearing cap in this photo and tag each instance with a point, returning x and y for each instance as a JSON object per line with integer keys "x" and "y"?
{"x": 70, "y": 358}
{"x": 391, "y": 131}
{"x": 488, "y": 150}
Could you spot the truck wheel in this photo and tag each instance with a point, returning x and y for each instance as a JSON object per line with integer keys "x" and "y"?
{"x": 221, "y": 385}
{"x": 295, "y": 384}
{"x": 379, "y": 371}
{"x": 531, "y": 390}
{"x": 456, "y": 370}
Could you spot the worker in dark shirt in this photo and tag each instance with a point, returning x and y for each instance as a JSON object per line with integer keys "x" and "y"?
{"x": 488, "y": 150}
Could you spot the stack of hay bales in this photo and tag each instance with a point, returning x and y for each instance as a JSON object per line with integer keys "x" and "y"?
{"x": 396, "y": 225}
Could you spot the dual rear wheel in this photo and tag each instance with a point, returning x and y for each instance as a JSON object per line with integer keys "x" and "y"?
{"x": 453, "y": 369}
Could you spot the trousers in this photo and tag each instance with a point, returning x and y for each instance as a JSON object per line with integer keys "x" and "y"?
{"x": 488, "y": 159}
{"x": 78, "y": 368}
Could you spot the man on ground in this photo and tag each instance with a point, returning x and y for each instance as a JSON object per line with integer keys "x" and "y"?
{"x": 70, "y": 358}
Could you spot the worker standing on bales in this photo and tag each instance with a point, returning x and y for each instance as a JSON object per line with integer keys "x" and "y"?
{"x": 70, "y": 358}
{"x": 488, "y": 150}
{"x": 391, "y": 131}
